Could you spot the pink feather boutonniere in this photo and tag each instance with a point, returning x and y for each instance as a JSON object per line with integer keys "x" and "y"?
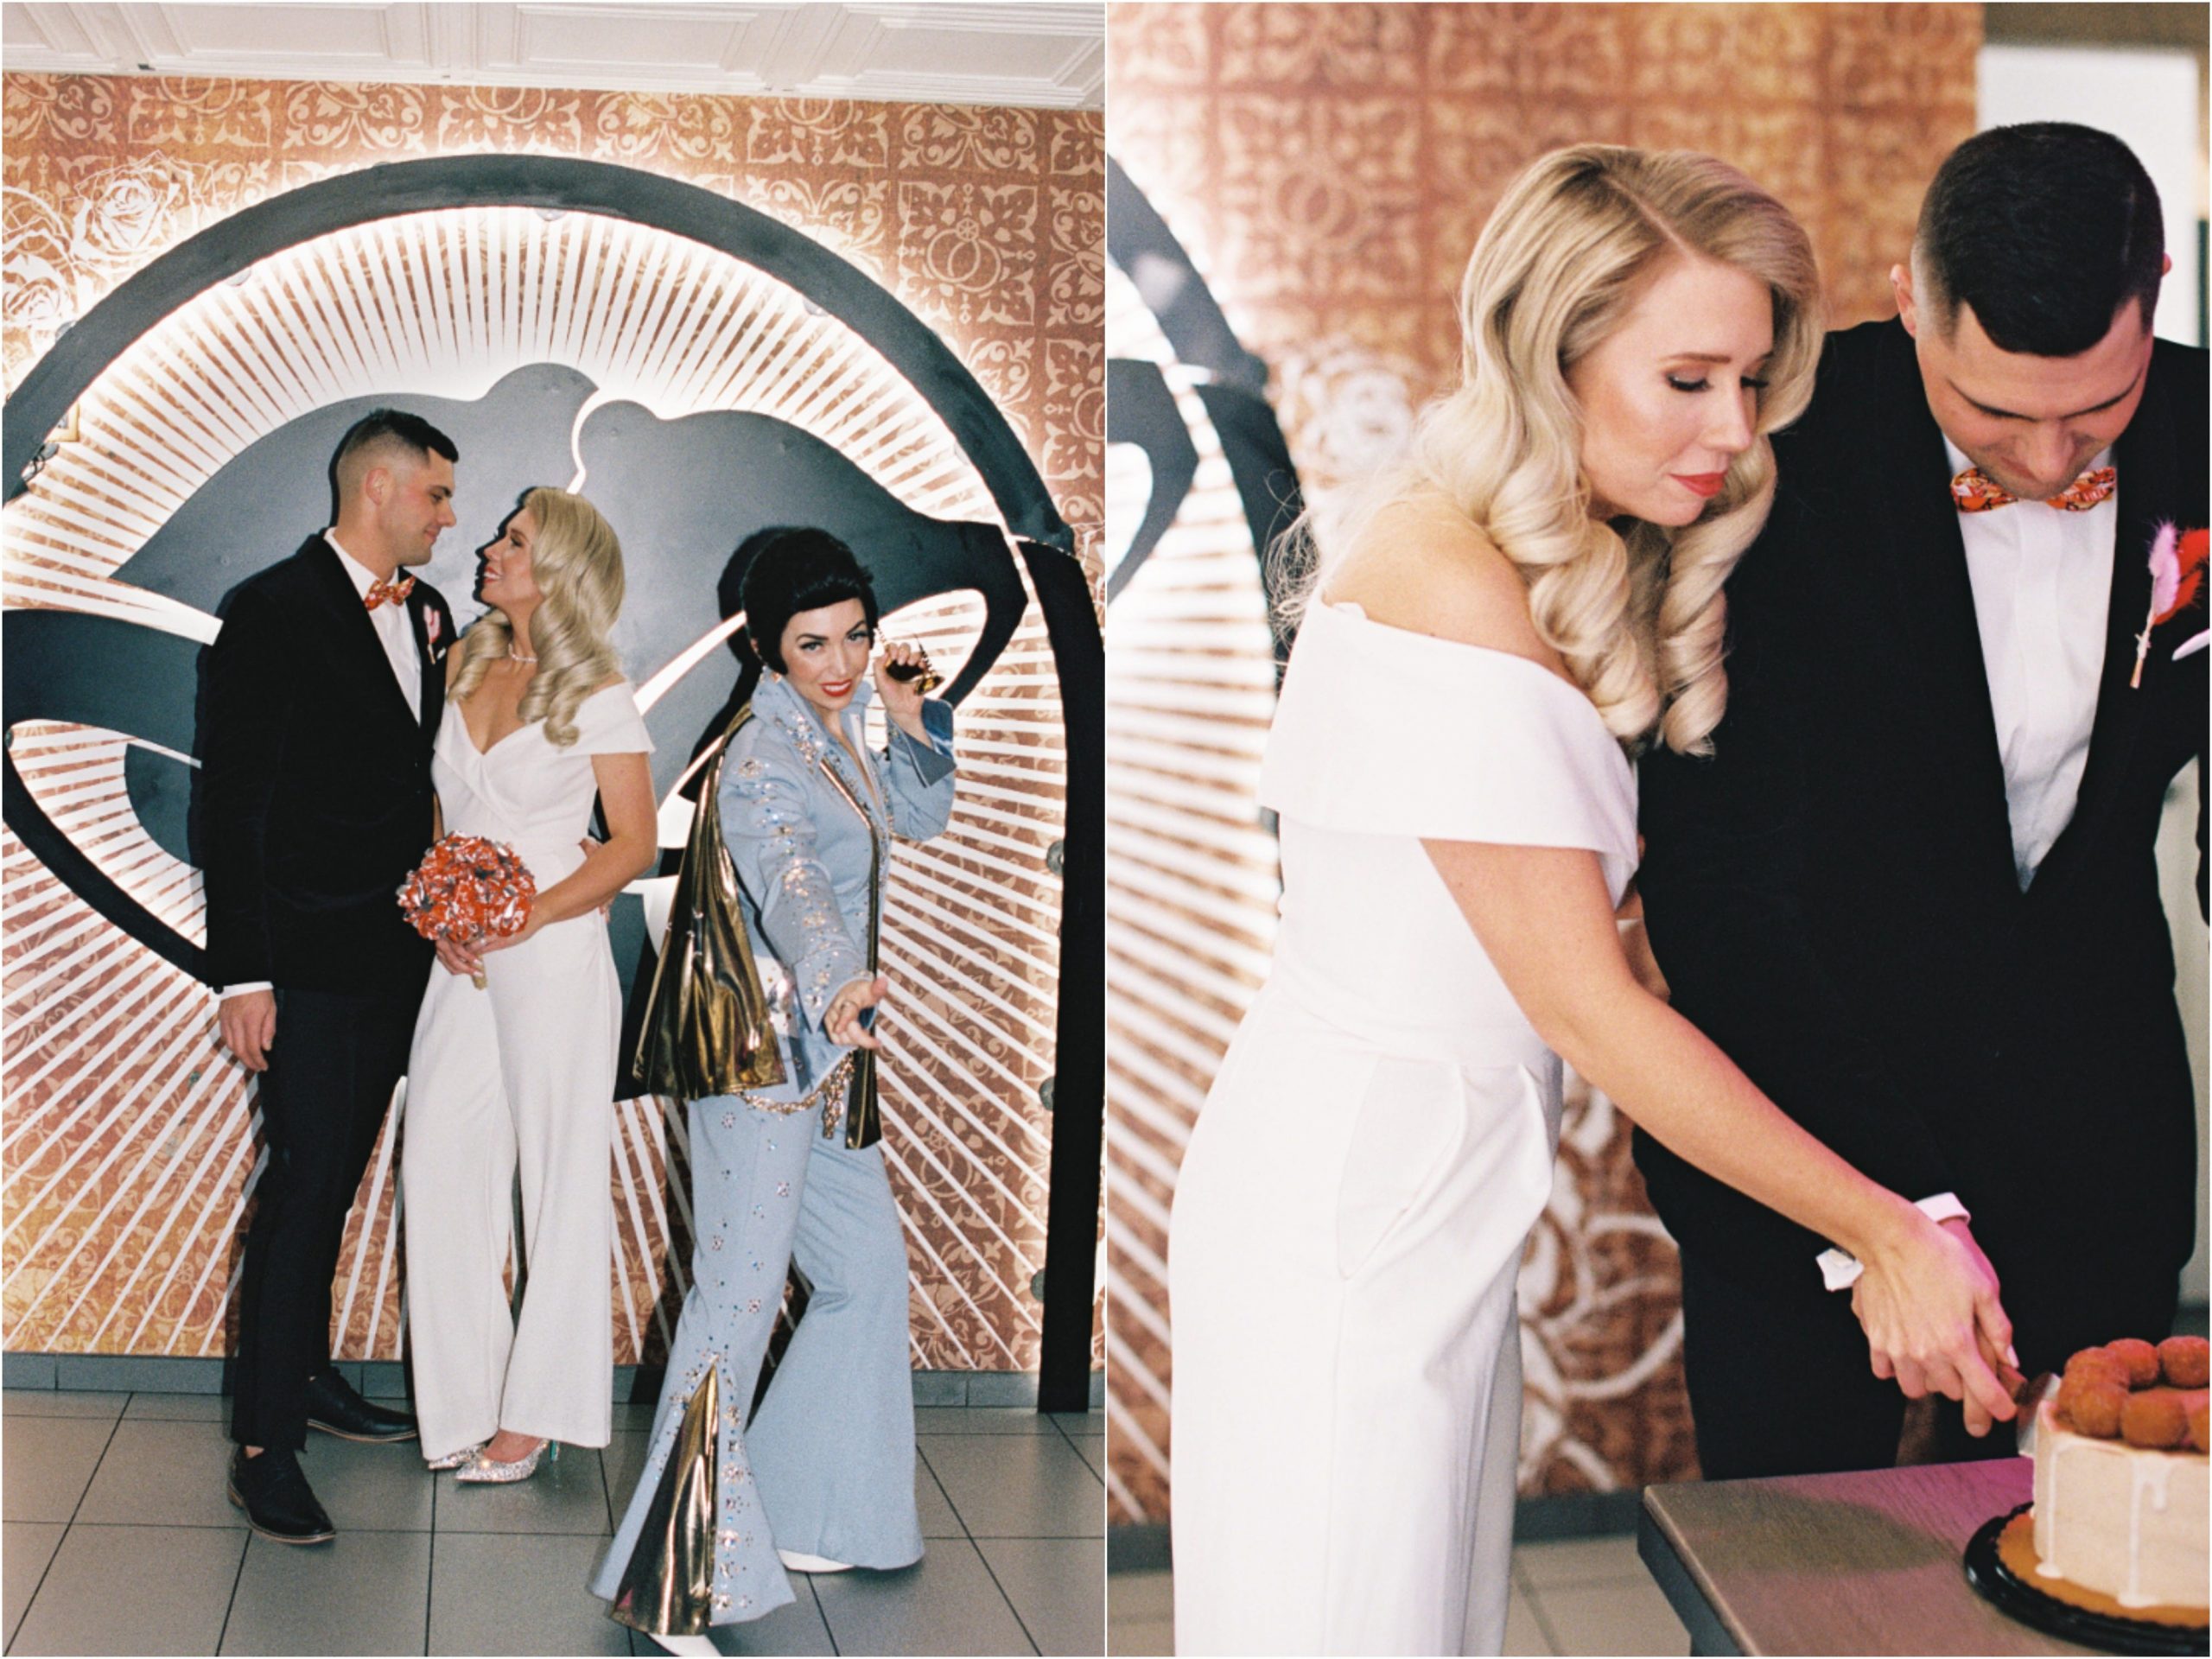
{"x": 2177, "y": 579}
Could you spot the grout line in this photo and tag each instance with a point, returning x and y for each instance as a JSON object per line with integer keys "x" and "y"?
{"x": 1021, "y": 1624}
{"x": 945, "y": 1491}
{"x": 969, "y": 1532}
{"x": 106, "y": 1446}
{"x": 1060, "y": 1428}
{"x": 237, "y": 1577}
{"x": 1095, "y": 1475}
{"x": 196, "y": 1526}
{"x": 230, "y": 1606}
{"x": 54, "y": 1555}
{"x": 823, "y": 1613}
{"x": 1543, "y": 1622}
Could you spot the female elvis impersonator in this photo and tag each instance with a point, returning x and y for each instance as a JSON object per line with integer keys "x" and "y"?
{"x": 824, "y": 1475}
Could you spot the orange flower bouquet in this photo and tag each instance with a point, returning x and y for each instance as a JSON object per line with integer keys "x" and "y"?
{"x": 466, "y": 890}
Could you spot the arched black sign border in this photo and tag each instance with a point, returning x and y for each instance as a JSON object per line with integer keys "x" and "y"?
{"x": 1141, "y": 409}
{"x": 556, "y": 184}
{"x": 913, "y": 350}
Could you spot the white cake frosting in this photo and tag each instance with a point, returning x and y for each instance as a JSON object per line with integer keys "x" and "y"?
{"x": 2128, "y": 1523}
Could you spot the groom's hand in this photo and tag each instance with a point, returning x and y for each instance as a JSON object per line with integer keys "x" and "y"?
{"x": 1970, "y": 1376}
{"x": 248, "y": 1023}
{"x": 1635, "y": 945}
{"x": 1992, "y": 1329}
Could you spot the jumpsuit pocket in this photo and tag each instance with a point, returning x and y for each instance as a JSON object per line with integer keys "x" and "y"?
{"x": 1409, "y": 1124}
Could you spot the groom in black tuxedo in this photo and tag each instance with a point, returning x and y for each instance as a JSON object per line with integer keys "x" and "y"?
{"x": 1912, "y": 892}
{"x": 323, "y": 694}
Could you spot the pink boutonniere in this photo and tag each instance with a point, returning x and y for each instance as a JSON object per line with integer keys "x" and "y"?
{"x": 430, "y": 625}
{"x": 2177, "y": 578}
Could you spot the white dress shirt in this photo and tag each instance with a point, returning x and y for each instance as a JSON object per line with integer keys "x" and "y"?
{"x": 393, "y": 629}
{"x": 2042, "y": 580}
{"x": 396, "y": 635}
{"x": 2042, "y": 586}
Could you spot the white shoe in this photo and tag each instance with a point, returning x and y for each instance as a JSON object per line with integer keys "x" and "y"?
{"x": 795, "y": 1562}
{"x": 685, "y": 1644}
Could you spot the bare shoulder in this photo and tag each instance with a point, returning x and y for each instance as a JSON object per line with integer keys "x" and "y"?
{"x": 1424, "y": 566}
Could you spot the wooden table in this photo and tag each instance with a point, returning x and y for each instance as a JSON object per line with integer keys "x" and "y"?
{"x": 1867, "y": 1563}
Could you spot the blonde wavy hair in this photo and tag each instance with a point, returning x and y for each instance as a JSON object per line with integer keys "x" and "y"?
{"x": 1640, "y": 621}
{"x": 577, "y": 563}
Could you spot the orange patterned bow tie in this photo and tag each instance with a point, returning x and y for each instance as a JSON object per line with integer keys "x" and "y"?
{"x": 394, "y": 593}
{"x": 1973, "y": 491}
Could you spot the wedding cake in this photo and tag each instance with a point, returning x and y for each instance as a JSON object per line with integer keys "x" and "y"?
{"x": 2121, "y": 1493}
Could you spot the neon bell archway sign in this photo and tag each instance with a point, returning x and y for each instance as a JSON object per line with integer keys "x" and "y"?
{"x": 122, "y": 673}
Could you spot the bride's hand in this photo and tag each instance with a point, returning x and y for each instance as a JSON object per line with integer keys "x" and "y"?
{"x": 459, "y": 958}
{"x": 492, "y": 942}
{"x": 1929, "y": 1306}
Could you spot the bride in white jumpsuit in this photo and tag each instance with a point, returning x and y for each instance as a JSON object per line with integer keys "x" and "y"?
{"x": 1536, "y": 592}
{"x": 518, "y": 1076}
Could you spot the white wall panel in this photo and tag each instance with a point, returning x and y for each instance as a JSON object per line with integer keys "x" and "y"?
{"x": 1041, "y": 55}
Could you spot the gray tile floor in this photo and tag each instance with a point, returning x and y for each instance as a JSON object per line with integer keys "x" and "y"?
{"x": 119, "y": 1540}
{"x": 1575, "y": 1596}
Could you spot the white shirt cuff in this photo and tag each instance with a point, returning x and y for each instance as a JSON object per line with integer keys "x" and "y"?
{"x": 1841, "y": 1271}
{"x": 229, "y": 991}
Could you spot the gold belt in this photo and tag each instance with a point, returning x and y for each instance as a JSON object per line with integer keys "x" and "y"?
{"x": 829, "y": 1094}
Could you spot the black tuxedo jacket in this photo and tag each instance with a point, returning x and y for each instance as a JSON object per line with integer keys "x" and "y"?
{"x": 316, "y": 798}
{"x": 1832, "y": 895}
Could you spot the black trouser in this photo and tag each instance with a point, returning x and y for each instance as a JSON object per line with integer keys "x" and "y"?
{"x": 331, "y": 1073}
{"x": 1779, "y": 1384}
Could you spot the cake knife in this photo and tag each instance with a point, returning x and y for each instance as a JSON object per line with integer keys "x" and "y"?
{"x": 2028, "y": 1394}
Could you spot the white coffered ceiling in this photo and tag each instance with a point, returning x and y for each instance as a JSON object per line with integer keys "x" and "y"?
{"x": 1047, "y": 55}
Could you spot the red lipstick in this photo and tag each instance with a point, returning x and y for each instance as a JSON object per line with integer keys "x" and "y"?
{"x": 1704, "y": 484}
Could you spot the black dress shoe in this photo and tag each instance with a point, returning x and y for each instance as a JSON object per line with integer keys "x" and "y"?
{"x": 276, "y": 1498}
{"x": 335, "y": 1408}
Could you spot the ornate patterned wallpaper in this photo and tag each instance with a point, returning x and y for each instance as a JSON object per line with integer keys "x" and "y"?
{"x": 126, "y": 1149}
{"x": 1327, "y": 167}
{"x": 987, "y": 222}
{"x": 1330, "y": 165}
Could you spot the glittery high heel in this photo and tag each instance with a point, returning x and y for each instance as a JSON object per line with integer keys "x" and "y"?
{"x": 484, "y": 1472}
{"x": 455, "y": 1459}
